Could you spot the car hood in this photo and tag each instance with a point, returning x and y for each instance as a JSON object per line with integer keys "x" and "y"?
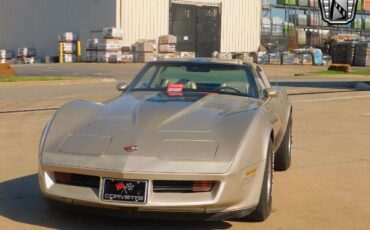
{"x": 150, "y": 132}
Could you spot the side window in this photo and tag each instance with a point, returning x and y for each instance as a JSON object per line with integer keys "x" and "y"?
{"x": 145, "y": 80}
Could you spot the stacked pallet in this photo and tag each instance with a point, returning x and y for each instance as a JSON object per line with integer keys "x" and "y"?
{"x": 343, "y": 53}
{"x": 167, "y": 47}
{"x": 327, "y": 60}
{"x": 167, "y": 44}
{"x": 309, "y": 56}
{"x": 185, "y": 54}
{"x": 287, "y": 58}
{"x": 345, "y": 37}
{"x": 145, "y": 51}
{"x": 362, "y": 54}
{"x": 68, "y": 40}
{"x": 274, "y": 59}
{"x": 92, "y": 50}
{"x": 222, "y": 55}
{"x": 26, "y": 55}
{"x": 127, "y": 56}
{"x": 5, "y": 56}
{"x": 109, "y": 49}
{"x": 305, "y": 59}
{"x": 260, "y": 57}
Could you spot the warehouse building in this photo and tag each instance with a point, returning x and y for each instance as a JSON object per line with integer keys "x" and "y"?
{"x": 202, "y": 26}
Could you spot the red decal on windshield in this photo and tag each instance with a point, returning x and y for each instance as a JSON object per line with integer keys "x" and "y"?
{"x": 175, "y": 90}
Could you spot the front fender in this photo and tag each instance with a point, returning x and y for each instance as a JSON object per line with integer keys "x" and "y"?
{"x": 254, "y": 145}
{"x": 68, "y": 118}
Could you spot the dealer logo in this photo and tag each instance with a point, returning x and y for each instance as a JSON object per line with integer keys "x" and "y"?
{"x": 338, "y": 11}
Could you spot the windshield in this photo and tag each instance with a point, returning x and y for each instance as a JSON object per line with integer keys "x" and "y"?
{"x": 197, "y": 77}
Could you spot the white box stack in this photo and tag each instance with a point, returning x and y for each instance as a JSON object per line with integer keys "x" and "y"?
{"x": 144, "y": 51}
{"x": 167, "y": 47}
{"x": 92, "y": 50}
{"x": 113, "y": 33}
{"x": 68, "y": 37}
{"x": 26, "y": 55}
{"x": 108, "y": 49}
{"x": 127, "y": 56}
{"x": 69, "y": 41}
{"x": 167, "y": 44}
{"x": 5, "y": 56}
{"x": 109, "y": 56}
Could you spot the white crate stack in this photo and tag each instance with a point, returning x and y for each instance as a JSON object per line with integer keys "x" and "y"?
{"x": 69, "y": 43}
{"x": 6, "y": 56}
{"x": 167, "y": 47}
{"x": 109, "y": 49}
{"x": 145, "y": 51}
{"x": 127, "y": 55}
{"x": 26, "y": 55}
{"x": 92, "y": 50}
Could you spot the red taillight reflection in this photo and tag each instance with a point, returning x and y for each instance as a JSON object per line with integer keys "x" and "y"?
{"x": 202, "y": 186}
{"x": 62, "y": 177}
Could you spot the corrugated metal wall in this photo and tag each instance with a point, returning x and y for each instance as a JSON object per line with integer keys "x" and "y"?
{"x": 240, "y": 29}
{"x": 241, "y": 25}
{"x": 36, "y": 23}
{"x": 144, "y": 19}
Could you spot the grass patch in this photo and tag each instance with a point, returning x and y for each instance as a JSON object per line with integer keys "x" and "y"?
{"x": 38, "y": 78}
{"x": 335, "y": 72}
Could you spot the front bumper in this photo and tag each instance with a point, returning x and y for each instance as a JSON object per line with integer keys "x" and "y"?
{"x": 234, "y": 195}
{"x": 136, "y": 213}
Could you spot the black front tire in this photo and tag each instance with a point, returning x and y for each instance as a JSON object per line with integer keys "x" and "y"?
{"x": 283, "y": 156}
{"x": 263, "y": 209}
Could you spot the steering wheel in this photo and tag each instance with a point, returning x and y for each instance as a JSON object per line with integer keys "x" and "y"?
{"x": 230, "y": 88}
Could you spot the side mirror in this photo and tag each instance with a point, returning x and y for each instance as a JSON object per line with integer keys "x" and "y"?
{"x": 270, "y": 93}
{"x": 122, "y": 87}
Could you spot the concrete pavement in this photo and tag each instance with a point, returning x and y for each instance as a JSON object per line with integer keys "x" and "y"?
{"x": 326, "y": 188}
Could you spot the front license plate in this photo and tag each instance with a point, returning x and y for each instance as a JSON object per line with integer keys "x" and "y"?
{"x": 125, "y": 191}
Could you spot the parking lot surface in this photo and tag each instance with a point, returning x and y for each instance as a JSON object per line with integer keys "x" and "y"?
{"x": 326, "y": 188}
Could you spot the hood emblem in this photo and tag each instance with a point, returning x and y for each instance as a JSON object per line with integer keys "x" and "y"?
{"x": 130, "y": 148}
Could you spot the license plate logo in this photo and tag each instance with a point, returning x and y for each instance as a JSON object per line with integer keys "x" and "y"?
{"x": 125, "y": 191}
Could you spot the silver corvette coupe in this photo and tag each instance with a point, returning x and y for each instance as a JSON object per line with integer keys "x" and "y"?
{"x": 195, "y": 139}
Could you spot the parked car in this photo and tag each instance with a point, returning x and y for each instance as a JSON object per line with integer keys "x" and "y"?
{"x": 196, "y": 138}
